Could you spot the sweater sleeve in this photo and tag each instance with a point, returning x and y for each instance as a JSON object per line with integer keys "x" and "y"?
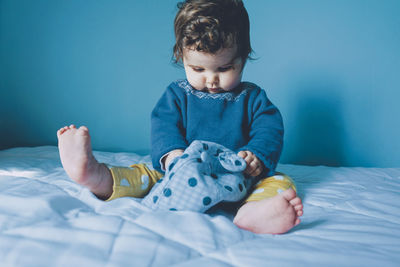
{"x": 266, "y": 132}
{"x": 167, "y": 127}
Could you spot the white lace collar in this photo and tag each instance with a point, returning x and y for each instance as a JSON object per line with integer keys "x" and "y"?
{"x": 229, "y": 96}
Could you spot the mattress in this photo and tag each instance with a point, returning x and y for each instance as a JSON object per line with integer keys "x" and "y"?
{"x": 351, "y": 218}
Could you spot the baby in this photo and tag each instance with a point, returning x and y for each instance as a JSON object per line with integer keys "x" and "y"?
{"x": 211, "y": 104}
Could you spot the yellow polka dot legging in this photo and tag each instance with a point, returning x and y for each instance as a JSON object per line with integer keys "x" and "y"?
{"x": 137, "y": 180}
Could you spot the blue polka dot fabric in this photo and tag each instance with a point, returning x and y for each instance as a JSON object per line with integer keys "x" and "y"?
{"x": 206, "y": 174}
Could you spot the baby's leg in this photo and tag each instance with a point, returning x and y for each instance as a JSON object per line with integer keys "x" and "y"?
{"x": 134, "y": 181}
{"x": 79, "y": 163}
{"x": 270, "y": 215}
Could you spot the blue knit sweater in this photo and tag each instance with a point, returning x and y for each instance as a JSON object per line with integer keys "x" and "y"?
{"x": 242, "y": 119}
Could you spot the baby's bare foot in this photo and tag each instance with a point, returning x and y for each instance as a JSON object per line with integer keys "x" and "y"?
{"x": 79, "y": 163}
{"x": 275, "y": 215}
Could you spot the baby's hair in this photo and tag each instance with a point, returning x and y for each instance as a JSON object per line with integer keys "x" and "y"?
{"x": 210, "y": 25}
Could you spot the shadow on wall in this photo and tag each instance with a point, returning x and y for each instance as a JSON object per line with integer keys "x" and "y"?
{"x": 316, "y": 133}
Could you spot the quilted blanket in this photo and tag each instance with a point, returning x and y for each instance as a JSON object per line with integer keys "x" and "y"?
{"x": 351, "y": 218}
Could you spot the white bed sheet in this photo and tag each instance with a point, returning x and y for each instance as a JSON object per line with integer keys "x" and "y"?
{"x": 351, "y": 218}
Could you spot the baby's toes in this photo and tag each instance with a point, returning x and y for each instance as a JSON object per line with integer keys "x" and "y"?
{"x": 298, "y": 207}
{"x": 295, "y": 201}
{"x": 83, "y": 130}
{"x": 61, "y": 131}
{"x": 290, "y": 195}
{"x": 299, "y": 213}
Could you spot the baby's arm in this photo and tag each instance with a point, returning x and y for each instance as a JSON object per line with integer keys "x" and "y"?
{"x": 167, "y": 127}
{"x": 266, "y": 132}
{"x": 254, "y": 165}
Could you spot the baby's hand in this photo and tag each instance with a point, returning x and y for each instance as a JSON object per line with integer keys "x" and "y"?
{"x": 170, "y": 157}
{"x": 254, "y": 165}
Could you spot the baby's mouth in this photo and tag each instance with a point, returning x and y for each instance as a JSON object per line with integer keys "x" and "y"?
{"x": 214, "y": 90}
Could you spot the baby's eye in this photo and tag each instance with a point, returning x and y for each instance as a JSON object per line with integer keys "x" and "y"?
{"x": 198, "y": 69}
{"x": 223, "y": 69}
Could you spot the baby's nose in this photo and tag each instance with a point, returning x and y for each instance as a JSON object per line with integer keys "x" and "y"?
{"x": 212, "y": 80}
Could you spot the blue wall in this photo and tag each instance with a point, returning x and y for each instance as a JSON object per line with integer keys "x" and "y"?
{"x": 332, "y": 67}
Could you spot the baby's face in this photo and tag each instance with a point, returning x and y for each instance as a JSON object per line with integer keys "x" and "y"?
{"x": 213, "y": 73}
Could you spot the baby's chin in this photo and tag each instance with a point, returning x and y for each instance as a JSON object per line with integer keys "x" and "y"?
{"x": 210, "y": 90}
{"x": 218, "y": 90}
{"x": 214, "y": 90}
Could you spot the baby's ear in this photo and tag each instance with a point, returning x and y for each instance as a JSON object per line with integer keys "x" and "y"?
{"x": 232, "y": 162}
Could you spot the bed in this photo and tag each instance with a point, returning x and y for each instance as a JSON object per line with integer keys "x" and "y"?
{"x": 351, "y": 218}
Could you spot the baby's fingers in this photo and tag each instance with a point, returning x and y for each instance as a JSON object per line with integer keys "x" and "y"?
{"x": 256, "y": 167}
{"x": 249, "y": 157}
{"x": 256, "y": 171}
{"x": 243, "y": 154}
{"x": 251, "y": 167}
